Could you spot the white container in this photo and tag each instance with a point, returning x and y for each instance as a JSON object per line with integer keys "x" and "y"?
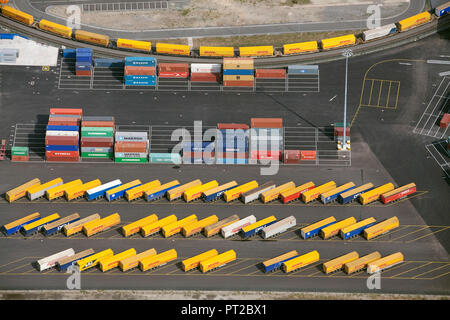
{"x": 103, "y": 187}
{"x": 62, "y": 133}
{"x": 278, "y": 227}
{"x": 254, "y": 195}
{"x": 50, "y": 261}
{"x": 206, "y": 68}
{"x": 131, "y": 136}
{"x": 234, "y": 228}
{"x": 379, "y": 32}
{"x": 41, "y": 192}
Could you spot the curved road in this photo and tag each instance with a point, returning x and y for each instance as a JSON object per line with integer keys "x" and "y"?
{"x": 38, "y": 11}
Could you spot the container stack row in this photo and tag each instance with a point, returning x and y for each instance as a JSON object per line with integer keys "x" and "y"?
{"x": 97, "y": 137}
{"x": 238, "y": 72}
{"x": 206, "y": 72}
{"x": 83, "y": 63}
{"x": 131, "y": 147}
{"x": 62, "y": 135}
{"x": 140, "y": 71}
{"x": 173, "y": 70}
{"x": 266, "y": 139}
{"x": 199, "y": 152}
{"x": 232, "y": 143}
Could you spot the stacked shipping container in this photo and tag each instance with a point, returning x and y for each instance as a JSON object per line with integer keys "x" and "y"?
{"x": 205, "y": 72}
{"x": 238, "y": 72}
{"x": 20, "y": 154}
{"x": 131, "y": 147}
{"x": 173, "y": 70}
{"x": 97, "y": 137}
{"x": 266, "y": 139}
{"x": 232, "y": 143}
{"x": 83, "y": 63}
{"x": 140, "y": 71}
{"x": 199, "y": 152}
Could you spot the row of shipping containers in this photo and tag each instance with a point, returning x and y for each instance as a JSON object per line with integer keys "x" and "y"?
{"x": 97, "y": 138}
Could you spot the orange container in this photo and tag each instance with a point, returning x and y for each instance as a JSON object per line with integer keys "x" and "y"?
{"x": 266, "y": 122}
{"x": 97, "y": 124}
{"x": 139, "y": 146}
{"x": 237, "y": 83}
{"x": 308, "y": 155}
{"x": 139, "y": 71}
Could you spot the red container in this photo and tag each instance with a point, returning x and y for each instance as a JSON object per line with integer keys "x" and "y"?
{"x": 271, "y": 73}
{"x": 61, "y": 141}
{"x": 166, "y": 74}
{"x": 223, "y": 126}
{"x": 97, "y": 124}
{"x": 238, "y": 83}
{"x": 339, "y": 131}
{"x": 445, "y": 120}
{"x": 63, "y": 123}
{"x": 191, "y": 155}
{"x": 20, "y": 158}
{"x": 266, "y": 122}
{"x": 266, "y": 155}
{"x": 233, "y": 155}
{"x": 66, "y": 117}
{"x": 308, "y": 155}
{"x": 83, "y": 73}
{"x": 398, "y": 196}
{"x": 121, "y": 146}
{"x": 291, "y": 156}
{"x": 63, "y": 159}
{"x": 63, "y": 154}
{"x": 97, "y": 142}
{"x": 173, "y": 67}
{"x": 139, "y": 71}
{"x": 77, "y": 112}
{"x": 295, "y": 196}
{"x": 205, "y": 77}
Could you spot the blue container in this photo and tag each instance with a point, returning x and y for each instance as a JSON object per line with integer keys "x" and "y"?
{"x": 140, "y": 83}
{"x": 108, "y": 63}
{"x": 101, "y": 190}
{"x": 140, "y": 78}
{"x": 334, "y": 196}
{"x": 61, "y": 148}
{"x": 355, "y": 232}
{"x": 119, "y": 194}
{"x": 256, "y": 230}
{"x": 35, "y": 229}
{"x": 352, "y": 197}
{"x": 140, "y": 61}
{"x": 231, "y": 161}
{"x": 198, "y": 146}
{"x": 58, "y": 228}
{"x": 83, "y": 65}
{"x": 160, "y": 194}
{"x": 62, "y": 128}
{"x": 277, "y": 265}
{"x": 69, "y": 53}
{"x": 303, "y": 69}
{"x": 216, "y": 196}
{"x": 238, "y": 72}
{"x": 84, "y": 50}
{"x": 84, "y": 58}
{"x": 66, "y": 266}
{"x": 316, "y": 231}
{"x": 15, "y": 229}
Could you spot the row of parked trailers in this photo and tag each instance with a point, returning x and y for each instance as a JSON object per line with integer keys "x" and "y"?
{"x": 254, "y": 51}
{"x": 211, "y": 191}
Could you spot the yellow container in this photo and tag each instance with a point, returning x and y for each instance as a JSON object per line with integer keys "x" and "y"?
{"x": 300, "y": 262}
{"x": 45, "y": 186}
{"x": 256, "y": 51}
{"x": 196, "y": 227}
{"x": 414, "y": 21}
{"x": 133, "y": 261}
{"x": 77, "y": 226}
{"x": 194, "y": 262}
{"x": 91, "y": 37}
{"x": 283, "y": 257}
{"x": 274, "y": 193}
{"x": 15, "y": 14}
{"x": 21, "y": 191}
{"x": 20, "y": 221}
{"x": 41, "y": 221}
{"x": 58, "y": 191}
{"x": 361, "y": 263}
{"x": 333, "y": 230}
{"x": 301, "y": 47}
{"x": 160, "y": 188}
{"x": 235, "y": 193}
{"x": 220, "y": 188}
{"x": 338, "y": 263}
{"x": 139, "y": 191}
{"x": 125, "y": 186}
{"x": 101, "y": 225}
{"x": 215, "y": 228}
{"x": 134, "y": 44}
{"x": 157, "y": 260}
{"x": 338, "y": 42}
{"x": 238, "y": 63}
{"x": 374, "y": 194}
{"x": 385, "y": 263}
{"x": 217, "y": 261}
{"x": 196, "y": 192}
{"x": 79, "y": 190}
{"x": 177, "y": 192}
{"x": 258, "y": 224}
{"x": 112, "y": 262}
{"x": 177, "y": 49}
{"x": 216, "y": 51}
{"x": 381, "y": 228}
{"x": 156, "y": 226}
{"x": 55, "y": 28}
{"x": 175, "y": 227}
{"x": 136, "y": 226}
{"x": 93, "y": 260}
{"x": 315, "y": 193}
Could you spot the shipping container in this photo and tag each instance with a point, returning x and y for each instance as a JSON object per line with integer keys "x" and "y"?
{"x": 270, "y": 73}
{"x": 119, "y": 191}
{"x": 197, "y": 226}
{"x": 382, "y": 31}
{"x": 91, "y": 37}
{"x": 275, "y": 263}
{"x": 206, "y": 68}
{"x": 15, "y": 226}
{"x": 138, "y": 146}
{"x": 139, "y": 71}
{"x": 56, "y": 226}
{"x": 36, "y": 226}
{"x": 274, "y": 193}
{"x": 308, "y": 155}
{"x": 133, "y": 262}
{"x": 194, "y": 262}
{"x": 442, "y": 9}
{"x": 338, "y": 42}
{"x": 138, "y": 192}
{"x": 177, "y": 192}
{"x": 216, "y": 51}
{"x": 445, "y": 121}
{"x": 94, "y": 259}
{"x": 78, "y": 191}
{"x": 333, "y": 229}
{"x": 256, "y": 51}
{"x": 21, "y": 191}
{"x": 58, "y": 191}
{"x": 98, "y": 124}
{"x": 135, "y": 227}
{"x": 238, "y": 63}
{"x": 108, "y": 63}
{"x": 152, "y": 262}
{"x": 153, "y": 228}
{"x": 315, "y": 193}
{"x": 302, "y": 47}
{"x": 238, "y": 78}
{"x": 381, "y": 228}
{"x": 62, "y": 134}
{"x": 215, "y": 228}
{"x": 217, "y": 192}
{"x": 278, "y": 227}
{"x": 339, "y": 262}
{"x": 252, "y": 229}
{"x": 217, "y": 261}
{"x": 160, "y": 191}
{"x": 170, "y": 158}
{"x": 313, "y": 229}
{"x": 177, "y": 49}
{"x": 295, "y": 193}
{"x": 66, "y": 111}
{"x": 134, "y": 45}
{"x": 254, "y": 194}
{"x": 205, "y": 77}
{"x": 353, "y": 194}
{"x": 374, "y": 194}
{"x": 96, "y": 226}
{"x": 17, "y": 15}
{"x": 237, "y": 226}
{"x": 61, "y": 140}
{"x": 38, "y": 191}
{"x": 19, "y": 151}
{"x": 50, "y": 261}
{"x": 140, "y": 61}
{"x": 175, "y": 227}
{"x": 300, "y": 261}
{"x": 196, "y": 192}
{"x": 332, "y": 195}
{"x": 236, "y": 192}
{"x": 361, "y": 263}
{"x": 77, "y": 226}
{"x": 64, "y": 263}
{"x": 97, "y": 132}
{"x": 385, "y": 263}
{"x": 237, "y": 72}
{"x": 399, "y": 193}
{"x": 131, "y": 160}
{"x": 266, "y": 122}
{"x": 414, "y": 21}
{"x": 355, "y": 229}
{"x": 113, "y": 261}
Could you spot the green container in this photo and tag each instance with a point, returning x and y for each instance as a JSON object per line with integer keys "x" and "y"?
{"x": 97, "y": 155}
{"x": 341, "y": 124}
{"x": 19, "y": 151}
{"x": 132, "y": 160}
{"x": 100, "y": 132}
